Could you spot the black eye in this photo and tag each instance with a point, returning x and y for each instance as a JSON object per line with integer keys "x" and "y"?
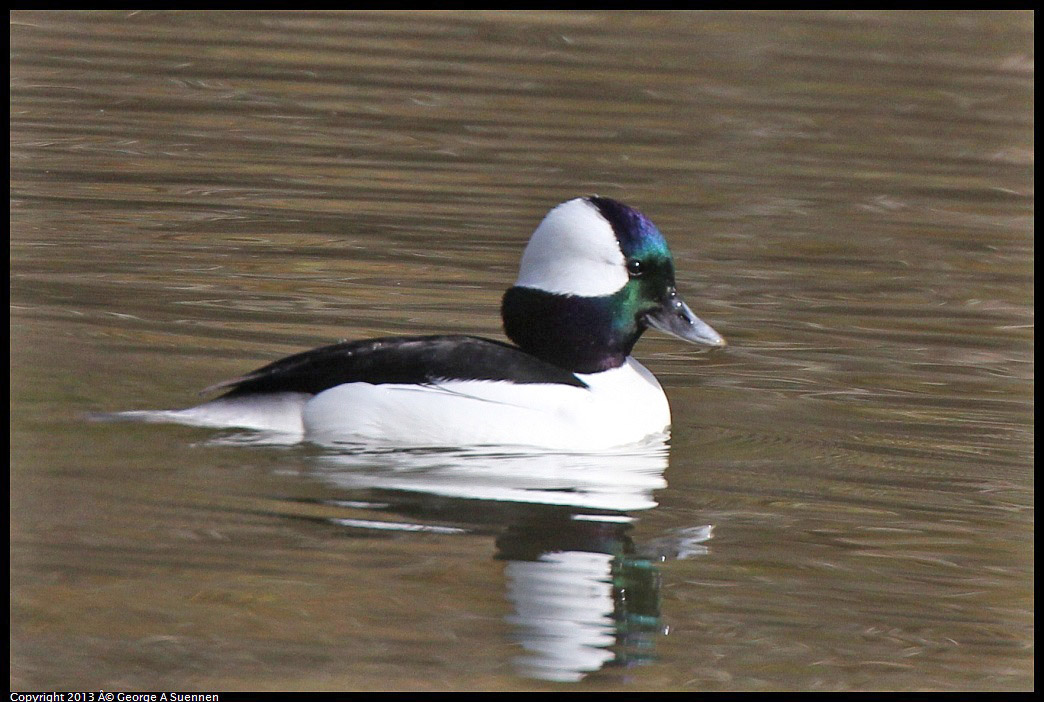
{"x": 634, "y": 267}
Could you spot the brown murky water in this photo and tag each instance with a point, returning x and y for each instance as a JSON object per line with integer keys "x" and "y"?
{"x": 848, "y": 498}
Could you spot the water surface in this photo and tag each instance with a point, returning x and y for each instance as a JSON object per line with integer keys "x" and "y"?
{"x": 847, "y": 501}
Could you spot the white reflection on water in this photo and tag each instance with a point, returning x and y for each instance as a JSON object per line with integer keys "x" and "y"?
{"x": 583, "y": 594}
{"x": 619, "y": 480}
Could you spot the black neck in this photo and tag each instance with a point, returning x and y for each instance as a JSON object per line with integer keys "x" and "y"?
{"x": 580, "y": 334}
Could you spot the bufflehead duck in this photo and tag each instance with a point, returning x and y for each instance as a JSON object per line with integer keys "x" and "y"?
{"x": 594, "y": 276}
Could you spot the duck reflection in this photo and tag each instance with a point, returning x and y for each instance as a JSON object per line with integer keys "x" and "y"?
{"x": 583, "y": 595}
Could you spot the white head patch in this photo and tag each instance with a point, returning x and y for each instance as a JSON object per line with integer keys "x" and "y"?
{"x": 573, "y": 252}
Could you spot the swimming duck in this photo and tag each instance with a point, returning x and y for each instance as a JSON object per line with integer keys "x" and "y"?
{"x": 593, "y": 277}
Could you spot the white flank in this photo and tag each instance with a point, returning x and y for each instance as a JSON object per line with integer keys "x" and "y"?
{"x": 620, "y": 407}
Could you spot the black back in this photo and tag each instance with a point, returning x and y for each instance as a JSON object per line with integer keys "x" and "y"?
{"x": 405, "y": 360}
